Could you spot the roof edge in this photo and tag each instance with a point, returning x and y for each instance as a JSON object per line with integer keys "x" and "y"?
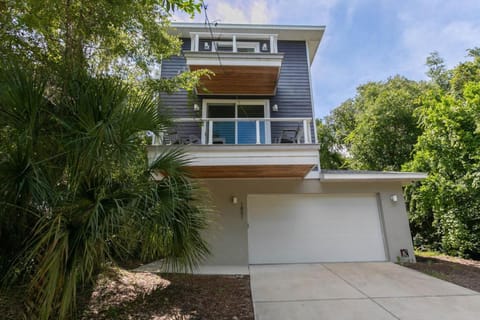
{"x": 349, "y": 176}
{"x": 250, "y": 26}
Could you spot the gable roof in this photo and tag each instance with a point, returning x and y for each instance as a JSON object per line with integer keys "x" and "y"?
{"x": 311, "y": 34}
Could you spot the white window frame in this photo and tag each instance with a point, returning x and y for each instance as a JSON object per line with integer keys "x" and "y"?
{"x": 255, "y": 45}
{"x": 237, "y": 102}
{"x": 249, "y": 45}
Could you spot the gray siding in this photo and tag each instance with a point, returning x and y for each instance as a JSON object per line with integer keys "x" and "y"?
{"x": 293, "y": 91}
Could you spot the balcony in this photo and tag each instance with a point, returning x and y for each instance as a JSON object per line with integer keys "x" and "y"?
{"x": 244, "y": 64}
{"x": 243, "y": 148}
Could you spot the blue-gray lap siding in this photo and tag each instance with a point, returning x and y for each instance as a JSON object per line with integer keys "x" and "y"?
{"x": 292, "y": 97}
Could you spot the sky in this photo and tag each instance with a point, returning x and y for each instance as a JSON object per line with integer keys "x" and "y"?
{"x": 364, "y": 40}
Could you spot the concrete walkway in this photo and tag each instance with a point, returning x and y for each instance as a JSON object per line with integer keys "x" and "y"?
{"x": 357, "y": 291}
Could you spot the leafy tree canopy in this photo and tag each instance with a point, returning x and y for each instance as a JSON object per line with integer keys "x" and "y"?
{"x": 123, "y": 38}
{"x": 377, "y": 129}
{"x": 445, "y": 208}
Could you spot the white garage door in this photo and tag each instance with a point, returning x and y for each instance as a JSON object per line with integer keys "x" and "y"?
{"x": 314, "y": 228}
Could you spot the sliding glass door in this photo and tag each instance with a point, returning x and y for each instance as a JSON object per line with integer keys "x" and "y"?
{"x": 241, "y": 122}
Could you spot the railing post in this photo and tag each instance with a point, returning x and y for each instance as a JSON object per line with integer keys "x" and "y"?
{"x": 234, "y": 43}
{"x": 306, "y": 129}
{"x": 210, "y": 132}
{"x": 257, "y": 131}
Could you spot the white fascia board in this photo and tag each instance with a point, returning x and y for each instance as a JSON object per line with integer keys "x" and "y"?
{"x": 224, "y": 155}
{"x": 233, "y": 59}
{"x": 404, "y": 177}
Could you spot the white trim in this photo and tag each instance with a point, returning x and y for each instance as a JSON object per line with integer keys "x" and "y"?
{"x": 248, "y": 45}
{"x": 229, "y": 36}
{"x": 312, "y": 34}
{"x": 315, "y": 138}
{"x": 406, "y": 177}
{"x": 252, "y": 154}
{"x": 243, "y": 119}
{"x": 206, "y": 58}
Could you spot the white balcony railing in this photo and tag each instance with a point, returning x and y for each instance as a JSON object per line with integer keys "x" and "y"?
{"x": 234, "y": 42}
{"x": 238, "y": 131}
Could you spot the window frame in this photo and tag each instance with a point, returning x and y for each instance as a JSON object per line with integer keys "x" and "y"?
{"x": 237, "y": 102}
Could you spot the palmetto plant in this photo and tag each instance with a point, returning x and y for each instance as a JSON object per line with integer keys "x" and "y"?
{"x": 77, "y": 189}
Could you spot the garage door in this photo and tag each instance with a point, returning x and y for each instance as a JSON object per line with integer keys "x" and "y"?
{"x": 314, "y": 228}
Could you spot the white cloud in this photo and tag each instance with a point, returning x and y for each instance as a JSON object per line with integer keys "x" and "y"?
{"x": 449, "y": 27}
{"x": 237, "y": 11}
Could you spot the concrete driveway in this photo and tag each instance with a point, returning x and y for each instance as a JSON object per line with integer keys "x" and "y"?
{"x": 357, "y": 291}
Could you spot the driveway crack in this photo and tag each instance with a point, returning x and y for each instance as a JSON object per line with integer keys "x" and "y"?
{"x": 364, "y": 293}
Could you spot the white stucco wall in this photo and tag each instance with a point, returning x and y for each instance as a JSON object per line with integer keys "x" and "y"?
{"x": 228, "y": 236}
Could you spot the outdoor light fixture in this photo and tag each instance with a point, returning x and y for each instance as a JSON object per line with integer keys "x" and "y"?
{"x": 394, "y": 198}
{"x": 196, "y": 107}
{"x": 275, "y": 107}
{"x": 234, "y": 200}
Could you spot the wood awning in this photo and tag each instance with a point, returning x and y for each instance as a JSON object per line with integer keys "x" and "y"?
{"x": 250, "y": 171}
{"x": 237, "y": 73}
{"x": 239, "y": 80}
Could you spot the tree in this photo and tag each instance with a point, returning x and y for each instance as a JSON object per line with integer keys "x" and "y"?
{"x": 377, "y": 129}
{"x": 445, "y": 208}
{"x": 437, "y": 71}
{"x": 77, "y": 178}
{"x": 75, "y": 103}
{"x": 330, "y": 156}
{"x": 123, "y": 38}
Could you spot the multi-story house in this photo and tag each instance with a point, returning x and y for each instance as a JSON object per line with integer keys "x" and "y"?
{"x": 250, "y": 132}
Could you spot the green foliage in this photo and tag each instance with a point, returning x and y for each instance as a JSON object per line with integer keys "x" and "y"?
{"x": 386, "y": 130}
{"x": 377, "y": 129}
{"x": 330, "y": 156}
{"x": 78, "y": 189}
{"x": 437, "y": 71}
{"x": 123, "y": 38}
{"x": 446, "y": 206}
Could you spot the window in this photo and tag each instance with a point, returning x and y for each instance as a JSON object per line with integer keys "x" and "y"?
{"x": 242, "y": 46}
{"x": 239, "y": 121}
{"x": 248, "y": 46}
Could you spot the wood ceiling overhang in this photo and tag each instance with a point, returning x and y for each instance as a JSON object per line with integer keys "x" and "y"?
{"x": 237, "y": 74}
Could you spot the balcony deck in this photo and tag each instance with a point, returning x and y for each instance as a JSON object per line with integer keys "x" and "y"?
{"x": 247, "y": 161}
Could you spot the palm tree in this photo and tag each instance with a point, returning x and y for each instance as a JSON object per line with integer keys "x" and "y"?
{"x": 79, "y": 190}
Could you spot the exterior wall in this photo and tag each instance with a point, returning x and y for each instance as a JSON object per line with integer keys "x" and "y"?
{"x": 228, "y": 235}
{"x": 293, "y": 91}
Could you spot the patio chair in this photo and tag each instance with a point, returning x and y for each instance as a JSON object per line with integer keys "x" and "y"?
{"x": 290, "y": 135}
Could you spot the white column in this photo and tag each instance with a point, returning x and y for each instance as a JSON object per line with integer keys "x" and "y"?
{"x": 257, "y": 131}
{"x": 210, "y": 132}
{"x": 234, "y": 43}
{"x": 272, "y": 44}
{"x": 197, "y": 42}
{"x": 306, "y": 130}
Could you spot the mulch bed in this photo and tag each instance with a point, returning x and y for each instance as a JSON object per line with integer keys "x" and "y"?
{"x": 120, "y": 294}
{"x": 463, "y": 272}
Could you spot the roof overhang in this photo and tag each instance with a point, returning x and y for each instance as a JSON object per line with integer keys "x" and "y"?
{"x": 247, "y": 161}
{"x": 359, "y": 176}
{"x": 236, "y": 74}
{"x": 311, "y": 34}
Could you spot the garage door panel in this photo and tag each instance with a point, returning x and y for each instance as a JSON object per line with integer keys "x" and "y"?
{"x": 314, "y": 228}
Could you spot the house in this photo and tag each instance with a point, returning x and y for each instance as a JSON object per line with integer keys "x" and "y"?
{"x": 250, "y": 131}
